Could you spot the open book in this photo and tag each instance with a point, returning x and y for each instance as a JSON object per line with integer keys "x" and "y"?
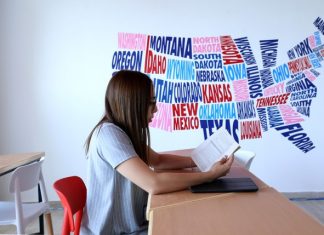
{"x": 213, "y": 149}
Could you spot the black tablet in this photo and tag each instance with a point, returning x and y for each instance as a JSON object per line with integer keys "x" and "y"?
{"x": 226, "y": 185}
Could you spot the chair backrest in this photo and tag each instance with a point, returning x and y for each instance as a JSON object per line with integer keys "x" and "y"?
{"x": 73, "y": 194}
{"x": 25, "y": 177}
{"x": 244, "y": 157}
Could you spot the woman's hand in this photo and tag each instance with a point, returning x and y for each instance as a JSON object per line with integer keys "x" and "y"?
{"x": 222, "y": 167}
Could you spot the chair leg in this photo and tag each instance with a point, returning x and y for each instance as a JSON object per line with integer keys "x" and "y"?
{"x": 66, "y": 229}
{"x": 20, "y": 229}
{"x": 48, "y": 219}
{"x": 77, "y": 222}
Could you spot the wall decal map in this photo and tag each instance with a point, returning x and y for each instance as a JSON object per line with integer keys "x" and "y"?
{"x": 213, "y": 81}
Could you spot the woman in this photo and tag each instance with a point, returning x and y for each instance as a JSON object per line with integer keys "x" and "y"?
{"x": 120, "y": 160}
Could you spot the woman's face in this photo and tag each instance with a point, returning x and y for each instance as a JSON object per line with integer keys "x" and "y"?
{"x": 152, "y": 108}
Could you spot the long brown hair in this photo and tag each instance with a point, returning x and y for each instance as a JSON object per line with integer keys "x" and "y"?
{"x": 127, "y": 102}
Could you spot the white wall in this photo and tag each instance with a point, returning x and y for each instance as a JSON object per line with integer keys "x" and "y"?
{"x": 55, "y": 62}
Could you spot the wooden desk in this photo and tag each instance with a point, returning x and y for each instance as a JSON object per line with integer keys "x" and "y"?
{"x": 10, "y": 162}
{"x": 174, "y": 198}
{"x": 263, "y": 212}
{"x": 266, "y": 212}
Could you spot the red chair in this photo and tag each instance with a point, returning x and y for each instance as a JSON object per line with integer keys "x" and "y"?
{"x": 73, "y": 194}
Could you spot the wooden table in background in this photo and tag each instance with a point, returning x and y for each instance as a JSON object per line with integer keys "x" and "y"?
{"x": 10, "y": 162}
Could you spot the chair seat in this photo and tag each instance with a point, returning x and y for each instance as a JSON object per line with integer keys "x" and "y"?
{"x": 30, "y": 211}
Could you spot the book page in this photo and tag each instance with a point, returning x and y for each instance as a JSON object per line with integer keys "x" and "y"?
{"x": 213, "y": 149}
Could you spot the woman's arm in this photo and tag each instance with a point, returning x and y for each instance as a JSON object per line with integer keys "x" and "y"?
{"x": 163, "y": 182}
{"x": 169, "y": 161}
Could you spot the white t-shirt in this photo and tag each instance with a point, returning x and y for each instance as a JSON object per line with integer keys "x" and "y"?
{"x": 114, "y": 204}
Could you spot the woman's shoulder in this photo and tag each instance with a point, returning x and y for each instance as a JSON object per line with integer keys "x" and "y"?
{"x": 109, "y": 126}
{"x": 110, "y": 129}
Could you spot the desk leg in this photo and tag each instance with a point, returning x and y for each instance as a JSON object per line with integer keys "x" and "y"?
{"x": 41, "y": 218}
